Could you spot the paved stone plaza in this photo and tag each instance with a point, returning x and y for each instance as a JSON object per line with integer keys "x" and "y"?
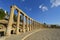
{"x": 45, "y": 34}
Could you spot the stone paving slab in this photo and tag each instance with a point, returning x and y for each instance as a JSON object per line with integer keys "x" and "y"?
{"x": 45, "y": 34}
{"x": 19, "y": 37}
{"x": 16, "y": 37}
{"x": 2, "y": 38}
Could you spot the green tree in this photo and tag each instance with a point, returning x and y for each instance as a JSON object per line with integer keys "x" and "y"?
{"x": 2, "y": 14}
{"x": 45, "y": 25}
{"x": 53, "y": 26}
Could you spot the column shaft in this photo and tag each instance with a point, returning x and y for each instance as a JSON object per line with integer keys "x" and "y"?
{"x": 31, "y": 25}
{"x": 10, "y": 21}
{"x": 18, "y": 22}
{"x": 27, "y": 23}
{"x": 23, "y": 24}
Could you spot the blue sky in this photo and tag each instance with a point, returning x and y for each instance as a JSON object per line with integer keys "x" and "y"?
{"x": 47, "y": 11}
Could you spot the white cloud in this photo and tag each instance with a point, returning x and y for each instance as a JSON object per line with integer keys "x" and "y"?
{"x": 55, "y": 3}
{"x": 23, "y": 0}
{"x": 43, "y": 8}
{"x": 40, "y": 6}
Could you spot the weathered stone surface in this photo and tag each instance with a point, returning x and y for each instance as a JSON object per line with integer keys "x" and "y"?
{"x": 45, "y": 34}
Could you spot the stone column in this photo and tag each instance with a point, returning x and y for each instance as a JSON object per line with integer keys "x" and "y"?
{"x": 31, "y": 24}
{"x": 10, "y": 21}
{"x": 34, "y": 24}
{"x": 39, "y": 25}
{"x": 27, "y": 23}
{"x": 23, "y": 24}
{"x": 18, "y": 22}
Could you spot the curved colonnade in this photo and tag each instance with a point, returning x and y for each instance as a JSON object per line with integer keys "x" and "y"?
{"x": 28, "y": 23}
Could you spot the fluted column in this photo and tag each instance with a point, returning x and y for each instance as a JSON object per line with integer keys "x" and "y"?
{"x": 10, "y": 21}
{"x": 34, "y": 24}
{"x": 39, "y": 25}
{"x": 23, "y": 24}
{"x": 18, "y": 22}
{"x": 31, "y": 24}
{"x": 27, "y": 23}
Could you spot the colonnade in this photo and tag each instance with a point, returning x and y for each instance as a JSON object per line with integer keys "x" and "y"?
{"x": 27, "y": 25}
